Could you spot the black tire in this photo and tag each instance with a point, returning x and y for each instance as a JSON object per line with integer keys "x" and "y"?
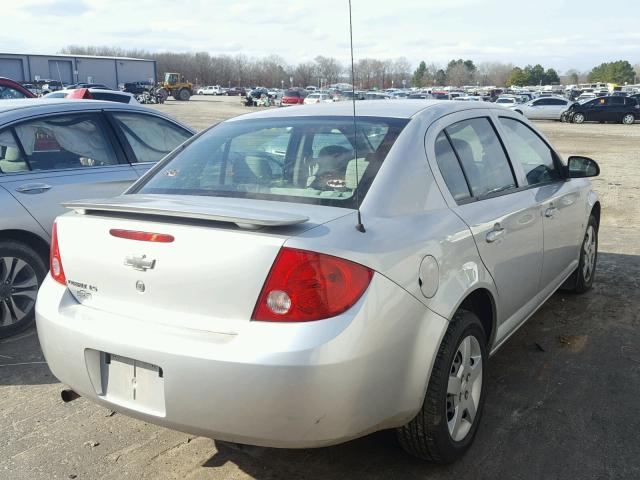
{"x": 628, "y": 119}
{"x": 578, "y": 118}
{"x": 184, "y": 95}
{"x": 579, "y": 281}
{"x": 9, "y": 300}
{"x": 427, "y": 435}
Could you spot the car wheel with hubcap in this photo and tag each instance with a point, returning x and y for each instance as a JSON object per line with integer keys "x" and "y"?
{"x": 455, "y": 393}
{"x": 578, "y": 118}
{"x": 628, "y": 119}
{"x": 21, "y": 274}
{"x": 581, "y": 279}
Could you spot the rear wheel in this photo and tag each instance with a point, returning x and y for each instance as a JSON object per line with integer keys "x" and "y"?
{"x": 578, "y": 118}
{"x": 184, "y": 95}
{"x": 21, "y": 274}
{"x": 628, "y": 119}
{"x": 455, "y": 394}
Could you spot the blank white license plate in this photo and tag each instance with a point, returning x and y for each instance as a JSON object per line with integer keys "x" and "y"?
{"x": 133, "y": 384}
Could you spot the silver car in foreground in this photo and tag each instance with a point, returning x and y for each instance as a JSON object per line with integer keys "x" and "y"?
{"x": 233, "y": 292}
{"x": 53, "y": 151}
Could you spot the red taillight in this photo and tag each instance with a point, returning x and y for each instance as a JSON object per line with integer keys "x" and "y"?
{"x": 303, "y": 286}
{"x": 142, "y": 236}
{"x": 55, "y": 261}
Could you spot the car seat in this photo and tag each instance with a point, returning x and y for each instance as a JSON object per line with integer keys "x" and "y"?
{"x": 252, "y": 170}
{"x": 13, "y": 161}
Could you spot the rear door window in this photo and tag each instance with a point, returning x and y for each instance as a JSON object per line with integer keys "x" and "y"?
{"x": 150, "y": 137}
{"x": 66, "y": 141}
{"x": 538, "y": 161}
{"x": 482, "y": 157}
{"x": 450, "y": 169}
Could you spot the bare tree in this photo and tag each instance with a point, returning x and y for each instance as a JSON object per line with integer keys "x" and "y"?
{"x": 400, "y": 71}
{"x": 304, "y": 74}
{"x": 328, "y": 68}
{"x": 493, "y": 73}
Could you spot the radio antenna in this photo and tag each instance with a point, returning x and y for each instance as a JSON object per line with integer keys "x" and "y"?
{"x": 359, "y": 225}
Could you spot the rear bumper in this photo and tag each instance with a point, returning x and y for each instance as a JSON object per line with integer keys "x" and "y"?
{"x": 280, "y": 385}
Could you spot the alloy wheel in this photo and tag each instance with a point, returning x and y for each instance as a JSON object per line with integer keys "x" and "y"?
{"x": 628, "y": 119}
{"x": 578, "y": 118}
{"x": 18, "y": 289}
{"x": 589, "y": 248}
{"x": 464, "y": 388}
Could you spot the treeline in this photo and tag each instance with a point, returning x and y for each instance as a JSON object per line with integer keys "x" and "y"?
{"x": 615, "y": 72}
{"x": 533, "y": 75}
{"x": 273, "y": 71}
{"x": 461, "y": 72}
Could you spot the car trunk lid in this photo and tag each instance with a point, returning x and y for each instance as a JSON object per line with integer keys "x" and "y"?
{"x": 208, "y": 277}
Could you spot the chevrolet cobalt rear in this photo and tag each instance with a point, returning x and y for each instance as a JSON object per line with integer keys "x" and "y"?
{"x": 293, "y": 278}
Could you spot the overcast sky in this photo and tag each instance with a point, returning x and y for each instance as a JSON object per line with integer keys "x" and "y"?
{"x": 557, "y": 33}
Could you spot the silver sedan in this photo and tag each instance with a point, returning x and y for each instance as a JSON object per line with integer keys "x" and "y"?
{"x": 289, "y": 279}
{"x": 544, "y": 108}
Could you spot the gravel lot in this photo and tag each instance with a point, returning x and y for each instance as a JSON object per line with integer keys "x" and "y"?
{"x": 562, "y": 394}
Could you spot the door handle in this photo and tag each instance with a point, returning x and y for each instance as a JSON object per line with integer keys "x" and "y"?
{"x": 495, "y": 234}
{"x": 550, "y": 212}
{"x": 33, "y": 188}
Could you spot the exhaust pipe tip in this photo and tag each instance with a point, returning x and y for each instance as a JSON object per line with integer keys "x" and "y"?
{"x": 68, "y": 395}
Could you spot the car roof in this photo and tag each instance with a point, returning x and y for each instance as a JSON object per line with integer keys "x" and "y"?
{"x": 369, "y": 108}
{"x": 11, "y": 110}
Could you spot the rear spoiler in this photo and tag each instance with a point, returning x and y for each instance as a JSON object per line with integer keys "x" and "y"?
{"x": 212, "y": 209}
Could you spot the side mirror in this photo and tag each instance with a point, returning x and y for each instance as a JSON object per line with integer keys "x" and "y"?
{"x": 580, "y": 167}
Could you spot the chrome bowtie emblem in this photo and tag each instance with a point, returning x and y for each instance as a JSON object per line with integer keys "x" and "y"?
{"x": 139, "y": 263}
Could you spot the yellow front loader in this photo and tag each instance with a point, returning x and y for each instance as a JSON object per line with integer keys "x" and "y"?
{"x": 177, "y": 87}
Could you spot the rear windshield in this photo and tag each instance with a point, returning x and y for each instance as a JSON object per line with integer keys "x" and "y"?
{"x": 111, "y": 97}
{"x": 301, "y": 159}
{"x": 292, "y": 93}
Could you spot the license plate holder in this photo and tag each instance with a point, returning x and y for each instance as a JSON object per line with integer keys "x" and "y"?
{"x": 134, "y": 384}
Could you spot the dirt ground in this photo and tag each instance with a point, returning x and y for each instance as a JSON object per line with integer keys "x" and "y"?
{"x": 562, "y": 394}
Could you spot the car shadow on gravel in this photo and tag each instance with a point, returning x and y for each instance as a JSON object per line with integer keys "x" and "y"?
{"x": 22, "y": 361}
{"x": 561, "y": 402}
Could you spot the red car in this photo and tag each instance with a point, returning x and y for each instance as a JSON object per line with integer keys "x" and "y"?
{"x": 293, "y": 97}
{"x": 10, "y": 90}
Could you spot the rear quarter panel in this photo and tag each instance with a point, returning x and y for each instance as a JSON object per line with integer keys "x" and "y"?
{"x": 407, "y": 218}
{"x": 16, "y": 217}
